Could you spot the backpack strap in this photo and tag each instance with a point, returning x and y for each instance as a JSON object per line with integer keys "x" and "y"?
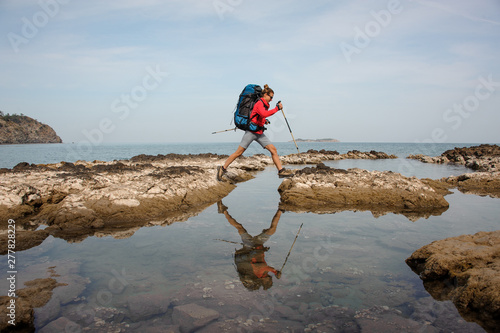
{"x": 259, "y": 128}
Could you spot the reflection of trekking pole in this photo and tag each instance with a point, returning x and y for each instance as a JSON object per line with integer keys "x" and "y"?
{"x": 289, "y": 129}
{"x": 223, "y": 240}
{"x": 231, "y": 129}
{"x": 281, "y": 270}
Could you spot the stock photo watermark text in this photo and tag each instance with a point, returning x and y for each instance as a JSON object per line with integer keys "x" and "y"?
{"x": 31, "y": 26}
{"x": 11, "y": 272}
{"x": 120, "y": 106}
{"x": 373, "y": 28}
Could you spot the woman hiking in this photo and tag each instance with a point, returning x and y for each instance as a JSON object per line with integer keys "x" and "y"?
{"x": 258, "y": 116}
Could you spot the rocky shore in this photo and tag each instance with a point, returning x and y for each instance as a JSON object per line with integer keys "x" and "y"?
{"x": 466, "y": 270}
{"x": 483, "y": 159}
{"x": 75, "y": 200}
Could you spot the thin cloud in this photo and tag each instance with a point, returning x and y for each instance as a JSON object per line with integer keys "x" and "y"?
{"x": 459, "y": 11}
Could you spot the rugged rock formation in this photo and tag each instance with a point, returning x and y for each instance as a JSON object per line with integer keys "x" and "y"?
{"x": 485, "y": 159}
{"x": 16, "y": 129}
{"x": 327, "y": 190}
{"x": 466, "y": 270}
{"x": 479, "y": 183}
{"x": 314, "y": 157}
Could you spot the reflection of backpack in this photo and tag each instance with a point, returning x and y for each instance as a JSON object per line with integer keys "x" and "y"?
{"x": 248, "y": 97}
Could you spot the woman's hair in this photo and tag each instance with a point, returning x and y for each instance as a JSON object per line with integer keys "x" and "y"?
{"x": 267, "y": 90}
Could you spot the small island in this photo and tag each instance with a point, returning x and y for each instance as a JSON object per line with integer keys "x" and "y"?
{"x": 317, "y": 140}
{"x": 21, "y": 129}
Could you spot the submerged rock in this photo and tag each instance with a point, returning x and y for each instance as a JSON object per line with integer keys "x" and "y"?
{"x": 326, "y": 190}
{"x": 465, "y": 270}
{"x": 193, "y": 316}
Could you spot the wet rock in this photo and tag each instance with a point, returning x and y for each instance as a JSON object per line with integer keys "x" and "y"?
{"x": 193, "y": 316}
{"x": 383, "y": 319}
{"x": 61, "y": 325}
{"x": 48, "y": 312}
{"x": 440, "y": 316}
{"x": 36, "y": 294}
{"x": 73, "y": 288}
{"x": 323, "y": 189}
{"x": 143, "y": 306}
{"x": 465, "y": 270}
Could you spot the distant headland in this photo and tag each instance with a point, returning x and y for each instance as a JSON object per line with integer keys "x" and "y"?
{"x": 19, "y": 129}
{"x": 317, "y": 140}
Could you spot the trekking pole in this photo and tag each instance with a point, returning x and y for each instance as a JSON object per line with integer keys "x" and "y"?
{"x": 231, "y": 129}
{"x": 281, "y": 270}
{"x": 289, "y": 129}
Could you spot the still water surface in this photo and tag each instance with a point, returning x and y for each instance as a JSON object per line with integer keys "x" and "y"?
{"x": 350, "y": 263}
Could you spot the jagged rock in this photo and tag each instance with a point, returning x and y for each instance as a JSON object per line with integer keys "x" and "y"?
{"x": 466, "y": 270}
{"x": 324, "y": 189}
{"x": 484, "y": 158}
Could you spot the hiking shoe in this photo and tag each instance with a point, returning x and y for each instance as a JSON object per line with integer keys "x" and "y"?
{"x": 285, "y": 173}
{"x": 220, "y": 172}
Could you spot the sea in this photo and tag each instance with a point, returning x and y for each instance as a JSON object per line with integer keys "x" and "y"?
{"x": 339, "y": 272}
{"x": 72, "y": 152}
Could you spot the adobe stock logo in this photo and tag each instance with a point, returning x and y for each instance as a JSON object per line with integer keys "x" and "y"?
{"x": 363, "y": 37}
{"x": 31, "y": 27}
{"x": 122, "y": 107}
{"x": 224, "y": 6}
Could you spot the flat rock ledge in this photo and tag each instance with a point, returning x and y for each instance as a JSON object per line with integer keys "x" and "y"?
{"x": 465, "y": 270}
{"x": 484, "y": 159}
{"x": 322, "y": 189}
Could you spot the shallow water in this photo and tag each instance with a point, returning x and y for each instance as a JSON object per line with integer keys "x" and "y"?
{"x": 342, "y": 267}
{"x": 10, "y": 155}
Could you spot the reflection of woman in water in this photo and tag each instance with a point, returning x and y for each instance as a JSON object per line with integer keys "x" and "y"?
{"x": 250, "y": 262}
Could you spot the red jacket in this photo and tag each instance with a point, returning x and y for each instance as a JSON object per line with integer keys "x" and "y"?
{"x": 262, "y": 111}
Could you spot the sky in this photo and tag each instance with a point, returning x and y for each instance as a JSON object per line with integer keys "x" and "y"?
{"x": 171, "y": 71}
